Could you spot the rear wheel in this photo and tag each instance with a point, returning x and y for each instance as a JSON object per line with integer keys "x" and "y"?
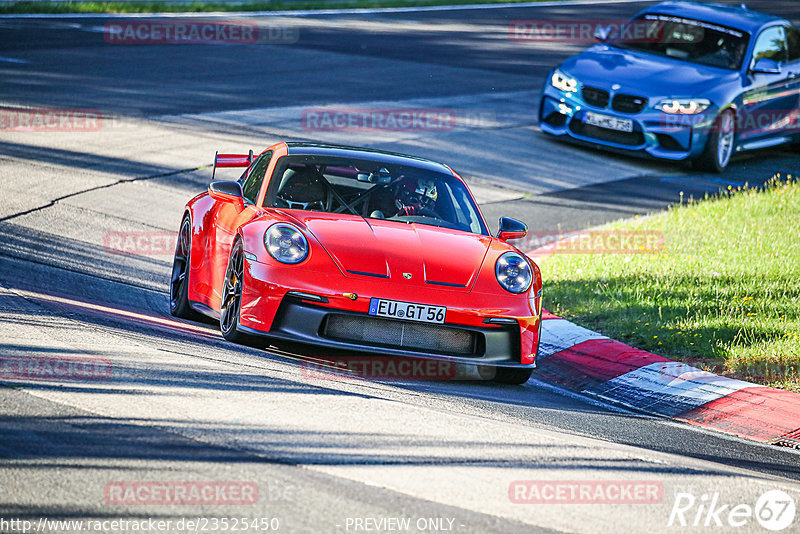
{"x": 231, "y": 305}
{"x": 179, "y": 281}
{"x": 719, "y": 146}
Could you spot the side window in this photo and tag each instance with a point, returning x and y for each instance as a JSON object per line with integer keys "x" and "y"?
{"x": 793, "y": 43}
{"x": 252, "y": 185}
{"x": 771, "y": 44}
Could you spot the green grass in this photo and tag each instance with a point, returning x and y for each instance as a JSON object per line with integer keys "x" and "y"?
{"x": 723, "y": 294}
{"x": 199, "y": 7}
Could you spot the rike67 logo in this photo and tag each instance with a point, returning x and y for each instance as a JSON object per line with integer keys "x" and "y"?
{"x": 774, "y": 510}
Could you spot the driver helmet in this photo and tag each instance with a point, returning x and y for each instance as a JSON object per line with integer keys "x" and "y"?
{"x": 417, "y": 194}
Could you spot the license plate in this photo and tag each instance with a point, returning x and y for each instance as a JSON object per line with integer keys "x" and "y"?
{"x": 407, "y": 310}
{"x": 608, "y": 122}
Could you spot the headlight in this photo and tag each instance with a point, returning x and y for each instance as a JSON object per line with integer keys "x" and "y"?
{"x": 561, "y": 81}
{"x": 513, "y": 272}
{"x": 286, "y": 243}
{"x": 683, "y": 106}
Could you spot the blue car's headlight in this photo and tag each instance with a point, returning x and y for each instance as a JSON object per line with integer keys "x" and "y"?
{"x": 513, "y": 272}
{"x": 562, "y": 82}
{"x": 683, "y": 106}
{"x": 286, "y": 243}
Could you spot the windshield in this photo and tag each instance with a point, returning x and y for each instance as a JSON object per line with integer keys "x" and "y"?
{"x": 689, "y": 40}
{"x": 374, "y": 189}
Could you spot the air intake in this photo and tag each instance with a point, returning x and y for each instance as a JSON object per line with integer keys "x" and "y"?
{"x": 401, "y": 335}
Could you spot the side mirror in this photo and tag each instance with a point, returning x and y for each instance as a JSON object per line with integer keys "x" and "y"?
{"x": 511, "y": 229}
{"x": 602, "y": 33}
{"x": 766, "y": 66}
{"x": 227, "y": 192}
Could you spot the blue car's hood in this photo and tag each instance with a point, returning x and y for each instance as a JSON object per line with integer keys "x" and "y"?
{"x": 644, "y": 74}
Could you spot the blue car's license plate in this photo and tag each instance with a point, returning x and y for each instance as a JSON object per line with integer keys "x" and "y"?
{"x": 608, "y": 122}
{"x": 407, "y": 310}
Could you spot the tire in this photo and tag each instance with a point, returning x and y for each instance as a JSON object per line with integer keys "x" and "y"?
{"x": 512, "y": 375}
{"x": 231, "y": 304}
{"x": 179, "y": 280}
{"x": 719, "y": 147}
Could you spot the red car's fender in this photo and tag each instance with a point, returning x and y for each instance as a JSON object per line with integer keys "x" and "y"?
{"x": 215, "y": 225}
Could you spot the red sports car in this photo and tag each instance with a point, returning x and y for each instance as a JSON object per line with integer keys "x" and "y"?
{"x": 361, "y": 250}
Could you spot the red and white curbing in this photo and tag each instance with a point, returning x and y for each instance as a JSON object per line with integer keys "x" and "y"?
{"x": 580, "y": 360}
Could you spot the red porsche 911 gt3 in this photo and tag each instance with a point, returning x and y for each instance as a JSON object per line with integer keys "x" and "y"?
{"x": 361, "y": 250}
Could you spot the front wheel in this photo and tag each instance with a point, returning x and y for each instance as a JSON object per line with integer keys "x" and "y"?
{"x": 512, "y": 375}
{"x": 231, "y": 305}
{"x": 179, "y": 282}
{"x": 505, "y": 375}
{"x": 719, "y": 146}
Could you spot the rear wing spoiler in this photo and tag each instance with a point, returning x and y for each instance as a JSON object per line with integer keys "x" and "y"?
{"x": 231, "y": 160}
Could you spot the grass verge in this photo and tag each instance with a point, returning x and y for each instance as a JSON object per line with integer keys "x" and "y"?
{"x": 202, "y": 7}
{"x": 723, "y": 294}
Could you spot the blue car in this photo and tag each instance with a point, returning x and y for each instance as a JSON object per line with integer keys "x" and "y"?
{"x": 681, "y": 81}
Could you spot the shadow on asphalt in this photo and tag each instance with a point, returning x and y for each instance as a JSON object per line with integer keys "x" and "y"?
{"x": 65, "y": 437}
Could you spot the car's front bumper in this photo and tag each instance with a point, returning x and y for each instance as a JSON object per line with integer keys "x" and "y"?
{"x": 655, "y": 133}
{"x": 499, "y": 330}
{"x": 303, "y": 322}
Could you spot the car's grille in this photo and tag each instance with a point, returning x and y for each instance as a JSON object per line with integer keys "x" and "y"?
{"x": 628, "y": 103}
{"x": 594, "y": 96}
{"x": 634, "y": 138}
{"x": 401, "y": 334}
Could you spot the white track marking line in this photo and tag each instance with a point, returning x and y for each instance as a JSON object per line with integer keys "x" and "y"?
{"x": 312, "y": 12}
{"x": 4, "y": 59}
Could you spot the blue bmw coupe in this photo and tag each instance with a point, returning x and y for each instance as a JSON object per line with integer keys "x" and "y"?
{"x": 682, "y": 81}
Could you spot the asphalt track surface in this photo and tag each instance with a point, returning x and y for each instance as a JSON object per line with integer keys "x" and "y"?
{"x": 183, "y": 405}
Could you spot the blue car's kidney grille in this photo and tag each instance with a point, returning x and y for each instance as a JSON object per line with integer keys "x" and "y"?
{"x": 628, "y": 103}
{"x": 594, "y": 96}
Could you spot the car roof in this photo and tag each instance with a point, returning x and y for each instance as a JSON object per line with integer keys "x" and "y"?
{"x": 319, "y": 149}
{"x": 733, "y": 16}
